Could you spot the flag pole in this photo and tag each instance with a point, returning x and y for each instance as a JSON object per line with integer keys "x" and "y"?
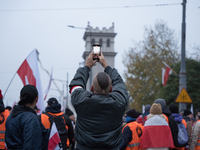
{"x": 9, "y": 84}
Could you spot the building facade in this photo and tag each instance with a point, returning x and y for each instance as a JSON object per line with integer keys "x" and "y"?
{"x": 105, "y": 38}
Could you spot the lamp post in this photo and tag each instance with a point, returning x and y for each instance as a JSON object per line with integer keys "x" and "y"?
{"x": 183, "y": 74}
{"x": 71, "y": 26}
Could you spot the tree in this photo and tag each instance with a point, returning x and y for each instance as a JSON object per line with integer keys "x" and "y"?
{"x": 143, "y": 63}
{"x": 171, "y": 90}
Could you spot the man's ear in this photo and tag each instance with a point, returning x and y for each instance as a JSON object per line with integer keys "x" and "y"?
{"x": 92, "y": 89}
{"x": 111, "y": 89}
{"x": 37, "y": 99}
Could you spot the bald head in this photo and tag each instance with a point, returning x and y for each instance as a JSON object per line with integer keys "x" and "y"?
{"x": 102, "y": 83}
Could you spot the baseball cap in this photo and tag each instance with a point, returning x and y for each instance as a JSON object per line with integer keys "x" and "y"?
{"x": 52, "y": 101}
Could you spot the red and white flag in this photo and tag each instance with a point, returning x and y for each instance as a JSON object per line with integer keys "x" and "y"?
{"x": 47, "y": 90}
{"x": 29, "y": 74}
{"x": 54, "y": 138}
{"x": 156, "y": 133}
{"x": 165, "y": 74}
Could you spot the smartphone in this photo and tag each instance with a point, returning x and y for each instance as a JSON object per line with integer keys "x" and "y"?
{"x": 97, "y": 52}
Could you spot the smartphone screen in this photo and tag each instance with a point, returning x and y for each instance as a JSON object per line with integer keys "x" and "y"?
{"x": 97, "y": 52}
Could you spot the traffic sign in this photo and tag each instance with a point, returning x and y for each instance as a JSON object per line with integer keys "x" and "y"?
{"x": 183, "y": 97}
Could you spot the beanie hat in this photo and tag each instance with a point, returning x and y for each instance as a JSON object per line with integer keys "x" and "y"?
{"x": 161, "y": 102}
{"x": 147, "y": 108}
{"x": 187, "y": 112}
{"x": 132, "y": 113}
{"x": 1, "y": 96}
{"x": 29, "y": 89}
{"x": 174, "y": 108}
{"x": 156, "y": 109}
{"x": 52, "y": 101}
{"x": 68, "y": 112}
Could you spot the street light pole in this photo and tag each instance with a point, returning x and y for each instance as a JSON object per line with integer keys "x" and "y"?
{"x": 182, "y": 73}
{"x": 71, "y": 26}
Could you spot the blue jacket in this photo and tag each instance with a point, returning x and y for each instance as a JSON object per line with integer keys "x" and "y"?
{"x": 23, "y": 130}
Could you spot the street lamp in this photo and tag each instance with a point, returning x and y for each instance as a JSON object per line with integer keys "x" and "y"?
{"x": 87, "y": 28}
{"x": 183, "y": 73}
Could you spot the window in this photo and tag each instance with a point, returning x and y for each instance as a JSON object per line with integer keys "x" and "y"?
{"x": 92, "y": 42}
{"x": 108, "y": 42}
{"x": 100, "y": 42}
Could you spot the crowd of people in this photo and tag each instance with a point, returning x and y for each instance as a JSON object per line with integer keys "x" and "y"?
{"x": 101, "y": 123}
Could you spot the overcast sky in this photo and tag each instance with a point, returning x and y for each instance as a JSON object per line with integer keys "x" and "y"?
{"x": 29, "y": 24}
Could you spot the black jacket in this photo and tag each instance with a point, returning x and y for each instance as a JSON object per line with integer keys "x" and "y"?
{"x": 99, "y": 117}
{"x": 55, "y": 109}
{"x": 23, "y": 130}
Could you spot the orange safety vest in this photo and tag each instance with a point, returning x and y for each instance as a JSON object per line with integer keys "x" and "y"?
{"x": 45, "y": 121}
{"x": 197, "y": 147}
{"x": 136, "y": 129}
{"x": 3, "y": 116}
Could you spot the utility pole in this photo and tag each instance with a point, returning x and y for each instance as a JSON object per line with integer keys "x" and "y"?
{"x": 182, "y": 73}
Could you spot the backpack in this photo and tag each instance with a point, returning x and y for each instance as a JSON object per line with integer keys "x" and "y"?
{"x": 179, "y": 133}
{"x": 60, "y": 124}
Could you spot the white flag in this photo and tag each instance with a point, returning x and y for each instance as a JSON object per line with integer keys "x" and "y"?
{"x": 47, "y": 90}
{"x": 29, "y": 74}
{"x": 54, "y": 138}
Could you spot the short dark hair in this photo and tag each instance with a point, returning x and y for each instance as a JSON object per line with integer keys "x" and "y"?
{"x": 103, "y": 80}
{"x": 102, "y": 83}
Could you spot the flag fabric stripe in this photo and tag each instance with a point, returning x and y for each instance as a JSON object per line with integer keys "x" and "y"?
{"x": 53, "y": 142}
{"x": 26, "y": 72}
{"x": 74, "y": 88}
{"x": 165, "y": 74}
{"x": 156, "y": 133}
{"x": 54, "y": 138}
{"x": 29, "y": 73}
{"x": 49, "y": 85}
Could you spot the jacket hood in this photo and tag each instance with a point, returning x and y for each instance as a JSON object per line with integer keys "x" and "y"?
{"x": 177, "y": 117}
{"x": 2, "y": 108}
{"x": 186, "y": 118}
{"x": 18, "y": 109}
{"x": 166, "y": 111}
{"x": 146, "y": 113}
{"x": 55, "y": 108}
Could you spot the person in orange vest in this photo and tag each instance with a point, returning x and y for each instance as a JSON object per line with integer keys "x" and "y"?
{"x": 195, "y": 138}
{"x": 178, "y": 118}
{"x": 63, "y": 123}
{"x": 9, "y": 108}
{"x": 4, "y": 113}
{"x": 131, "y": 132}
{"x": 188, "y": 117}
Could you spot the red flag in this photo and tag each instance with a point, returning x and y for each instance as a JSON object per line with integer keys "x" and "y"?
{"x": 29, "y": 74}
{"x": 156, "y": 133}
{"x": 165, "y": 74}
{"x": 54, "y": 138}
{"x": 47, "y": 90}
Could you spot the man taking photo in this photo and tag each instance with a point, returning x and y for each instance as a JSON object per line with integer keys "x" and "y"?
{"x": 99, "y": 112}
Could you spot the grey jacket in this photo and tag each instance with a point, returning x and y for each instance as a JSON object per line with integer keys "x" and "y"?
{"x": 99, "y": 117}
{"x": 195, "y": 136}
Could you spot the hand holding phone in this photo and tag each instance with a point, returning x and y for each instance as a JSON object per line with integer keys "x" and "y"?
{"x": 96, "y": 52}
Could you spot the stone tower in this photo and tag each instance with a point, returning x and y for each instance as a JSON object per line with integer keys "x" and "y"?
{"x": 105, "y": 38}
